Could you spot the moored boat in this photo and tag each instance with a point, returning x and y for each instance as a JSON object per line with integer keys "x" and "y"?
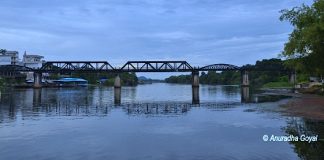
{"x": 71, "y": 82}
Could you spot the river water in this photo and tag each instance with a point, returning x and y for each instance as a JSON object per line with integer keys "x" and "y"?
{"x": 153, "y": 121}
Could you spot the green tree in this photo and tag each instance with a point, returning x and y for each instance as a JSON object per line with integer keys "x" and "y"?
{"x": 305, "y": 48}
{"x": 2, "y": 51}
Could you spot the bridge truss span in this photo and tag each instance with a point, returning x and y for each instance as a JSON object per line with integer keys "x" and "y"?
{"x": 219, "y": 67}
{"x": 156, "y": 66}
{"x": 71, "y": 66}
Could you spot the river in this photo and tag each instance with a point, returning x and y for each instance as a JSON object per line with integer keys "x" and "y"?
{"x": 153, "y": 121}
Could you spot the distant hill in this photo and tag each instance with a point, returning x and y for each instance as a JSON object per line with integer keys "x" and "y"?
{"x": 145, "y": 80}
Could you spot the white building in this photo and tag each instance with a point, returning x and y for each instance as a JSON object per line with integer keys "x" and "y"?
{"x": 5, "y": 60}
{"x": 9, "y": 58}
{"x": 32, "y": 61}
{"x": 14, "y": 57}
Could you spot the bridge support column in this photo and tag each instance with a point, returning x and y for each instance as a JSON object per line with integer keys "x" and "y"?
{"x": 37, "y": 80}
{"x": 195, "y": 79}
{"x": 245, "y": 78}
{"x": 292, "y": 77}
{"x": 117, "y": 83}
{"x": 195, "y": 87}
{"x": 117, "y": 90}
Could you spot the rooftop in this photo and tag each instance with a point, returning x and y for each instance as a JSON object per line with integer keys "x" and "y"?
{"x": 33, "y": 55}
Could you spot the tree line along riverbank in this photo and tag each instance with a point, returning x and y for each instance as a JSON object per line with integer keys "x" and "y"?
{"x": 258, "y": 78}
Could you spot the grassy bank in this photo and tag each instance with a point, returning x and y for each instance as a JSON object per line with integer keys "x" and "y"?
{"x": 278, "y": 85}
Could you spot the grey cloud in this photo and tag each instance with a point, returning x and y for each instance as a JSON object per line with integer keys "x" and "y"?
{"x": 200, "y": 31}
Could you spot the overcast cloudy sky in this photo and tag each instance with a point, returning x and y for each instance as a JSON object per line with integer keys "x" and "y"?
{"x": 199, "y": 31}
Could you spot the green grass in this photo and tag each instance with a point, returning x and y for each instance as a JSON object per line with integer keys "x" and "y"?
{"x": 277, "y": 85}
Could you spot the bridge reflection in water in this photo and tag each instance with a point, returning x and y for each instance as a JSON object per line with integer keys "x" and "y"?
{"x": 44, "y": 113}
{"x": 100, "y": 102}
{"x": 37, "y": 97}
{"x": 245, "y": 96}
{"x": 87, "y": 102}
{"x": 117, "y": 96}
{"x": 151, "y": 109}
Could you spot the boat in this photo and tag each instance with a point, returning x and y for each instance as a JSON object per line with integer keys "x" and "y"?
{"x": 71, "y": 82}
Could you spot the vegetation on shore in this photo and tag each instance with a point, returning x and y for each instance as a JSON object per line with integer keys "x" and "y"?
{"x": 304, "y": 50}
{"x": 265, "y": 73}
{"x": 211, "y": 77}
{"x": 277, "y": 85}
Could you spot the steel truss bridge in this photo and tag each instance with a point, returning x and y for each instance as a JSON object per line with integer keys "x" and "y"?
{"x": 104, "y": 66}
{"x": 66, "y": 67}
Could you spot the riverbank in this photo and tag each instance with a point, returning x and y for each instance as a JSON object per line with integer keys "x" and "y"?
{"x": 310, "y": 106}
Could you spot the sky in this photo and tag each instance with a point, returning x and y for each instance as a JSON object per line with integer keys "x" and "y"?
{"x": 201, "y": 32}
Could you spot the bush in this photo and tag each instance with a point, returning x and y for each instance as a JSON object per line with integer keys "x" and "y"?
{"x": 2, "y": 82}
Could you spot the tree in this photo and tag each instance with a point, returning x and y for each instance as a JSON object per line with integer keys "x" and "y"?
{"x": 3, "y": 51}
{"x": 305, "y": 48}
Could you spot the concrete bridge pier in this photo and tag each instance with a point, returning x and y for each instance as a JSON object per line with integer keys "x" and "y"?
{"x": 195, "y": 87}
{"x": 245, "y": 78}
{"x": 117, "y": 83}
{"x": 37, "y": 79}
{"x": 117, "y": 90}
{"x": 195, "y": 79}
{"x": 292, "y": 77}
